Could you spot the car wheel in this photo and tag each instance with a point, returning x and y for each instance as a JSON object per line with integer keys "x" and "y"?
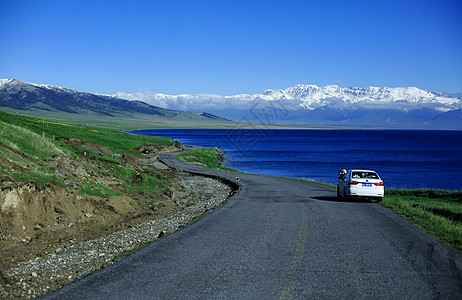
{"x": 379, "y": 199}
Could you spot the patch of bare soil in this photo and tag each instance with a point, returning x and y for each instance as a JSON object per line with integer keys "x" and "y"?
{"x": 89, "y": 146}
{"x": 37, "y": 220}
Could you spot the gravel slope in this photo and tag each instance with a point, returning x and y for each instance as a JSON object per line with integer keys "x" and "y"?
{"x": 44, "y": 274}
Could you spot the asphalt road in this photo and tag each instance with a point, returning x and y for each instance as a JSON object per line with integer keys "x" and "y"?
{"x": 282, "y": 239}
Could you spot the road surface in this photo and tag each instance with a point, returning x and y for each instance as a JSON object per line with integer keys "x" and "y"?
{"x": 282, "y": 239}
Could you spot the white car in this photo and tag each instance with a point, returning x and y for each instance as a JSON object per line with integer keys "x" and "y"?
{"x": 360, "y": 184}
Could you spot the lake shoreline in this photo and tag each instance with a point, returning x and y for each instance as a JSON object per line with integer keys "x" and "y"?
{"x": 404, "y": 159}
{"x": 438, "y": 212}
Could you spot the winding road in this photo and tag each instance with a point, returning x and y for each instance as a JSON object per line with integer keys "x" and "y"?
{"x": 280, "y": 238}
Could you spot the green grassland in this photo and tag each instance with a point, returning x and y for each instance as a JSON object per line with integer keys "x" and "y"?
{"x": 61, "y": 129}
{"x": 208, "y": 158}
{"x": 134, "y": 121}
{"x": 27, "y": 145}
{"x": 437, "y": 211}
{"x": 123, "y": 121}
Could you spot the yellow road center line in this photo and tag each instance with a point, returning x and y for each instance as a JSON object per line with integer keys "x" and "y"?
{"x": 298, "y": 257}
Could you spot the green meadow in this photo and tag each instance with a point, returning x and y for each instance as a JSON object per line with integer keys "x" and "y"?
{"x": 438, "y": 212}
{"x": 122, "y": 121}
{"x": 28, "y": 144}
{"x": 134, "y": 121}
{"x": 56, "y": 129}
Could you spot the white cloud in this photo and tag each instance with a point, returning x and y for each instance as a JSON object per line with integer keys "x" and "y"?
{"x": 202, "y": 102}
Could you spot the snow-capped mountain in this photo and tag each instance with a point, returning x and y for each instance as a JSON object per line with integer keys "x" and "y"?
{"x": 311, "y": 96}
{"x": 403, "y": 107}
{"x": 21, "y": 95}
{"x": 312, "y": 93}
{"x": 374, "y": 107}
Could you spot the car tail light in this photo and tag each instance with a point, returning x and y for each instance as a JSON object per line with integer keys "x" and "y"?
{"x": 379, "y": 183}
{"x": 353, "y": 182}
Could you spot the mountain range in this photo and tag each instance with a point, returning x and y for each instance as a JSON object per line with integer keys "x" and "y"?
{"x": 308, "y": 105}
{"x": 20, "y": 95}
{"x": 375, "y": 107}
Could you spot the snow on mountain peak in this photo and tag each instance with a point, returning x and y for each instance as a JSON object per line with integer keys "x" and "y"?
{"x": 7, "y": 81}
{"x": 21, "y": 84}
{"x": 301, "y": 95}
{"x": 313, "y": 94}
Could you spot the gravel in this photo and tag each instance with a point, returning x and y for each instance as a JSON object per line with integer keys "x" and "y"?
{"x": 40, "y": 275}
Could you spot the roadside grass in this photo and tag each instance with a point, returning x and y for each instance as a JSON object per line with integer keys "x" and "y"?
{"x": 321, "y": 183}
{"x": 205, "y": 157}
{"x": 208, "y": 159}
{"x": 437, "y": 211}
{"x": 309, "y": 180}
{"x": 125, "y": 254}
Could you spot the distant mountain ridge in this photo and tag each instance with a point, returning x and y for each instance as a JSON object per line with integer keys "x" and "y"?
{"x": 402, "y": 107}
{"x": 307, "y": 105}
{"x": 30, "y": 96}
{"x": 312, "y": 93}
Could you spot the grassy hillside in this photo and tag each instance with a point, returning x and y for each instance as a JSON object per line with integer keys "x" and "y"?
{"x": 22, "y": 154}
{"x": 62, "y": 129}
{"x": 27, "y": 144}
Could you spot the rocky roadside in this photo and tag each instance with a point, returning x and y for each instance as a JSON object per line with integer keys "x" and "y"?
{"x": 40, "y": 275}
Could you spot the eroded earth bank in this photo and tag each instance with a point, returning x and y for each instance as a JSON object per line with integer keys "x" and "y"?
{"x": 54, "y": 233}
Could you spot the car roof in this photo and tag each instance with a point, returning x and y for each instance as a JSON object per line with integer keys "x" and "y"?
{"x": 362, "y": 170}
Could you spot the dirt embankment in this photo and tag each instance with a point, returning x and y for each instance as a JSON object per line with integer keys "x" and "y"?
{"x": 34, "y": 219}
{"x": 86, "y": 201}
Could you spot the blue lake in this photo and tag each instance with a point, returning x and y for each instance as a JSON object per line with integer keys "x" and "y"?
{"x": 403, "y": 158}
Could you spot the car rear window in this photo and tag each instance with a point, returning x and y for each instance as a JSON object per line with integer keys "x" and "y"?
{"x": 371, "y": 175}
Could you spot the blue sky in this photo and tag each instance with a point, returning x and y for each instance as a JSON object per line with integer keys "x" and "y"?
{"x": 231, "y": 47}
